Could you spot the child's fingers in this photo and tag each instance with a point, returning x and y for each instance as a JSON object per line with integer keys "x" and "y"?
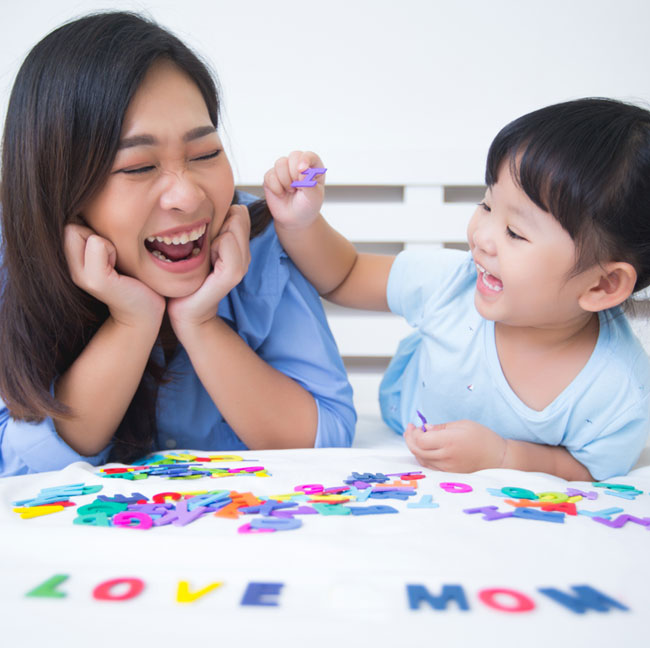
{"x": 272, "y": 183}
{"x": 283, "y": 174}
{"x": 428, "y": 458}
{"x": 424, "y": 441}
{"x": 300, "y": 161}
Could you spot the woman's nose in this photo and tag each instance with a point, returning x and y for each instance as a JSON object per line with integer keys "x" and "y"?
{"x": 180, "y": 192}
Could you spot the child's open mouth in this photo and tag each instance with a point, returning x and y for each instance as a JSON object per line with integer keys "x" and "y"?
{"x": 489, "y": 280}
{"x": 179, "y": 247}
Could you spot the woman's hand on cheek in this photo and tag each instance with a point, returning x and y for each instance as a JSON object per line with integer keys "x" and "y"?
{"x": 91, "y": 263}
{"x": 230, "y": 256}
{"x": 293, "y": 207}
{"x": 459, "y": 446}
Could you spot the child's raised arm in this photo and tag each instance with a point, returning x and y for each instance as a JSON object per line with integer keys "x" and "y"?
{"x": 328, "y": 260}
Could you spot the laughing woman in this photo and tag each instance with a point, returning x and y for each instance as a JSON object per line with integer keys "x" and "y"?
{"x": 142, "y": 308}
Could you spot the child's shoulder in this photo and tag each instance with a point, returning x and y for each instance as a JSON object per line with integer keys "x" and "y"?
{"x": 622, "y": 351}
{"x": 421, "y": 274}
{"x": 424, "y": 265}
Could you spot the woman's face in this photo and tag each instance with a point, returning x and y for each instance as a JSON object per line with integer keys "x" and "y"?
{"x": 170, "y": 186}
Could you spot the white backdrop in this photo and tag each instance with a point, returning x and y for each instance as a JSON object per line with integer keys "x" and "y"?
{"x": 408, "y": 92}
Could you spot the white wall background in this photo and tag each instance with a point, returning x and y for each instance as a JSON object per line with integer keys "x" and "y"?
{"x": 401, "y": 98}
{"x": 388, "y": 91}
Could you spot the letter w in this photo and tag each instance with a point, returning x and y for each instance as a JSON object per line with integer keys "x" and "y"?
{"x": 588, "y": 599}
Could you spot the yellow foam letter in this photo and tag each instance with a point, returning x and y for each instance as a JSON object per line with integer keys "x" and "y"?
{"x": 185, "y": 596}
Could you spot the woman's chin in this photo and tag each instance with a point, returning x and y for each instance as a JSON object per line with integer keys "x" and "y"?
{"x": 175, "y": 287}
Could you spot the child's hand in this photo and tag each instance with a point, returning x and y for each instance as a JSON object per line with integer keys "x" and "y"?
{"x": 91, "y": 262}
{"x": 230, "y": 256}
{"x": 459, "y": 446}
{"x": 294, "y": 208}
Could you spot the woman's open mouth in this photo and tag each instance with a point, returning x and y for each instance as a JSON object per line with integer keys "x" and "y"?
{"x": 178, "y": 247}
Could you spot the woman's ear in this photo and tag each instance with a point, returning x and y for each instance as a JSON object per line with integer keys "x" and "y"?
{"x": 613, "y": 285}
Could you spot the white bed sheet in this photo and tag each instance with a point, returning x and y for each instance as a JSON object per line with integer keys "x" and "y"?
{"x": 344, "y": 578}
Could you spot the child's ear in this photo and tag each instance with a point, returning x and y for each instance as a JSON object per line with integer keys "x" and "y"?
{"x": 613, "y": 285}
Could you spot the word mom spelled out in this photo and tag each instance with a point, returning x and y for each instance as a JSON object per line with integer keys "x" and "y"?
{"x": 581, "y": 598}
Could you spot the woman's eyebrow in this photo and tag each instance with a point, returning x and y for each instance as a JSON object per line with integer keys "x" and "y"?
{"x": 150, "y": 140}
{"x": 197, "y": 133}
{"x": 137, "y": 140}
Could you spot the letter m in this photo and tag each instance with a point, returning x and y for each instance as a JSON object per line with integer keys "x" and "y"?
{"x": 419, "y": 593}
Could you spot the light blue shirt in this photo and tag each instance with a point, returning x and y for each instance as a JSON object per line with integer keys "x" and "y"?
{"x": 449, "y": 370}
{"x": 279, "y": 315}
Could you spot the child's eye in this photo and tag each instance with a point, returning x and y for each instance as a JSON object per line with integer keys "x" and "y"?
{"x": 209, "y": 156}
{"x": 484, "y": 206}
{"x": 514, "y": 236}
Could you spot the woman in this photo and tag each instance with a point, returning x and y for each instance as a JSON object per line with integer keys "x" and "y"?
{"x": 135, "y": 313}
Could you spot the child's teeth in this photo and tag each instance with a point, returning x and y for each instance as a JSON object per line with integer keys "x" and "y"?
{"x": 492, "y": 286}
{"x": 195, "y": 252}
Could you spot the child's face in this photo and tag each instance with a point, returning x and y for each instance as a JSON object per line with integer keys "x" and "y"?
{"x": 524, "y": 260}
{"x": 170, "y": 179}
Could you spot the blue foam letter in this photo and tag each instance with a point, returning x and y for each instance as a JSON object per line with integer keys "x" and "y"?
{"x": 588, "y": 599}
{"x": 419, "y": 593}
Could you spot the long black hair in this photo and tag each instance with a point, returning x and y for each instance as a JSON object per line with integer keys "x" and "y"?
{"x": 586, "y": 162}
{"x": 61, "y": 136}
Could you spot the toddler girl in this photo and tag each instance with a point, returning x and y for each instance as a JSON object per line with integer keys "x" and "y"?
{"x": 521, "y": 356}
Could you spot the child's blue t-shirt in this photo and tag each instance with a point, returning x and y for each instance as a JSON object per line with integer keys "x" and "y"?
{"x": 449, "y": 369}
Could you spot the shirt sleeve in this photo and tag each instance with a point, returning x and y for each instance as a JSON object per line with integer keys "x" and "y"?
{"x": 300, "y": 345}
{"x": 612, "y": 418}
{"x": 420, "y": 274}
{"x": 617, "y": 448}
{"x": 35, "y": 447}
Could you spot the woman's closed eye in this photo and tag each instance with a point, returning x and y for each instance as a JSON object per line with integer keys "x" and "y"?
{"x": 150, "y": 167}
{"x": 138, "y": 170}
{"x": 207, "y": 156}
{"x": 485, "y": 206}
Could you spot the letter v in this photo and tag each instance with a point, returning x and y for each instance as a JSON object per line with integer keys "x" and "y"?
{"x": 185, "y": 596}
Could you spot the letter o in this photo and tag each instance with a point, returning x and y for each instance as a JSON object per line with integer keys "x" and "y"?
{"x": 456, "y": 487}
{"x": 520, "y": 603}
{"x": 309, "y": 489}
{"x": 104, "y": 591}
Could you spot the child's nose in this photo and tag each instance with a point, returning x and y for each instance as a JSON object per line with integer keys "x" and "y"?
{"x": 180, "y": 192}
{"x": 483, "y": 238}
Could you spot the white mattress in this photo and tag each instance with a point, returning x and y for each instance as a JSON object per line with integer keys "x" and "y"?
{"x": 338, "y": 579}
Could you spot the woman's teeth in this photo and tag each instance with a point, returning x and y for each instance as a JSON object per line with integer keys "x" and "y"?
{"x": 181, "y": 239}
{"x": 159, "y": 255}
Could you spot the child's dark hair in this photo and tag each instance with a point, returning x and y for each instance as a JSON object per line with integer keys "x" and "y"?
{"x": 586, "y": 162}
{"x": 61, "y": 135}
